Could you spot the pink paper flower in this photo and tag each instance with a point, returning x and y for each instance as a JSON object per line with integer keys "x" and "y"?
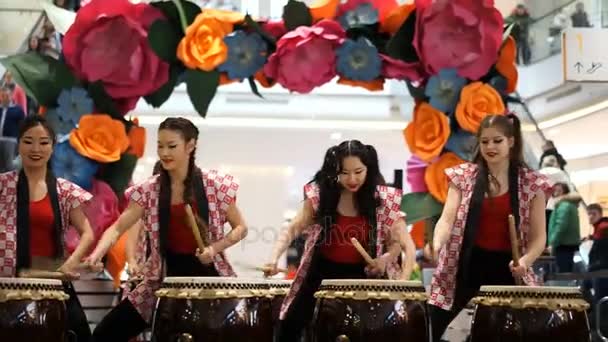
{"x": 462, "y": 34}
{"x": 400, "y": 70}
{"x": 108, "y": 42}
{"x": 101, "y": 212}
{"x": 305, "y": 57}
{"x": 416, "y": 168}
{"x": 275, "y": 28}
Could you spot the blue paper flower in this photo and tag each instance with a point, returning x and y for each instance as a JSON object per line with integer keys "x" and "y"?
{"x": 444, "y": 89}
{"x": 247, "y": 53}
{"x": 69, "y": 164}
{"x": 463, "y": 144}
{"x": 499, "y": 83}
{"x": 364, "y": 14}
{"x": 72, "y": 104}
{"x": 358, "y": 60}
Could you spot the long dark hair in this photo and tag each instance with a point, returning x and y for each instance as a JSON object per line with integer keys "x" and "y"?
{"x": 330, "y": 189}
{"x": 510, "y": 127}
{"x": 192, "y": 182}
{"x": 23, "y": 199}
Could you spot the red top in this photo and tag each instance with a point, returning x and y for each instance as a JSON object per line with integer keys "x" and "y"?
{"x": 337, "y": 246}
{"x": 181, "y": 239}
{"x": 493, "y": 230}
{"x": 600, "y": 229}
{"x": 42, "y": 220}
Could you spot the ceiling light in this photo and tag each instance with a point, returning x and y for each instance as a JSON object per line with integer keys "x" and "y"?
{"x": 577, "y": 114}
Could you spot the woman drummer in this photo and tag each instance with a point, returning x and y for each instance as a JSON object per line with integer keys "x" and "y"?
{"x": 160, "y": 202}
{"x": 346, "y": 198}
{"x": 36, "y": 210}
{"x": 472, "y": 236}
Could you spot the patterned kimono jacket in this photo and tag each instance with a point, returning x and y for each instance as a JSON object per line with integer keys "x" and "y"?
{"x": 221, "y": 193}
{"x": 69, "y": 195}
{"x": 386, "y": 215}
{"x": 443, "y": 284}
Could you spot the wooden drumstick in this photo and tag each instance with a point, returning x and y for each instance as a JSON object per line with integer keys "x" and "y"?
{"x": 26, "y": 273}
{"x": 264, "y": 269}
{"x": 362, "y": 251}
{"x": 514, "y": 245}
{"x": 195, "y": 231}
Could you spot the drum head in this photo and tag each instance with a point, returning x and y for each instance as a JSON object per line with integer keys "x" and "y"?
{"x": 214, "y": 281}
{"x": 371, "y": 283}
{"x": 530, "y": 290}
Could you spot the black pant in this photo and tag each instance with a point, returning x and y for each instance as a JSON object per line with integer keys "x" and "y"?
{"x": 564, "y": 257}
{"x": 486, "y": 268}
{"x": 78, "y": 325}
{"x": 120, "y": 325}
{"x": 124, "y": 322}
{"x": 302, "y": 308}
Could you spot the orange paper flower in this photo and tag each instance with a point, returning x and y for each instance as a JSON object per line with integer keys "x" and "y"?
{"x": 99, "y": 137}
{"x": 375, "y": 85}
{"x": 477, "y": 100}
{"x": 223, "y": 16}
{"x": 435, "y": 178}
{"x": 225, "y": 80}
{"x": 506, "y": 63}
{"x": 324, "y": 9}
{"x": 263, "y": 80}
{"x": 203, "y": 45}
{"x": 396, "y": 18}
{"x": 137, "y": 140}
{"x": 428, "y": 132}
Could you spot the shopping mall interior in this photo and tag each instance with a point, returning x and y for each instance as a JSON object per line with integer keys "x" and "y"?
{"x": 275, "y": 143}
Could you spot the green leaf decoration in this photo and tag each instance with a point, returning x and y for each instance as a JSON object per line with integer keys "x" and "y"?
{"x": 254, "y": 87}
{"x": 103, "y": 101}
{"x": 159, "y": 97}
{"x": 400, "y": 46}
{"x": 119, "y": 173}
{"x": 420, "y": 206}
{"x": 296, "y": 14}
{"x": 270, "y": 39}
{"x": 191, "y": 10}
{"x": 202, "y": 86}
{"x": 163, "y": 39}
{"x": 42, "y": 77}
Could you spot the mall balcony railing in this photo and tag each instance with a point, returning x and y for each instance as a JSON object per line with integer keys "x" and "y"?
{"x": 544, "y": 32}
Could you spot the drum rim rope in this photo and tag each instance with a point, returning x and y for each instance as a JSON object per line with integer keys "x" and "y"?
{"x": 527, "y": 297}
{"x": 28, "y": 281}
{"x": 279, "y": 287}
{"x": 14, "y": 289}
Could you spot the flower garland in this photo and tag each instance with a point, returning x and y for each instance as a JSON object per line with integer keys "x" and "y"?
{"x": 455, "y": 56}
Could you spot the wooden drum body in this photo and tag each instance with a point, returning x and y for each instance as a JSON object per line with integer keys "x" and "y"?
{"x": 365, "y": 310}
{"x": 212, "y": 309}
{"x": 278, "y": 289}
{"x": 522, "y": 313}
{"x": 32, "y": 310}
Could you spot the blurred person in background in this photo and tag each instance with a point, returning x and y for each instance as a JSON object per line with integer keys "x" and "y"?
{"x": 564, "y": 230}
{"x": 580, "y": 17}
{"x": 521, "y": 32}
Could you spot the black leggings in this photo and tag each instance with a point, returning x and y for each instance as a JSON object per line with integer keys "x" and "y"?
{"x": 78, "y": 325}
{"x": 302, "y": 309}
{"x": 124, "y": 322}
{"x": 486, "y": 268}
